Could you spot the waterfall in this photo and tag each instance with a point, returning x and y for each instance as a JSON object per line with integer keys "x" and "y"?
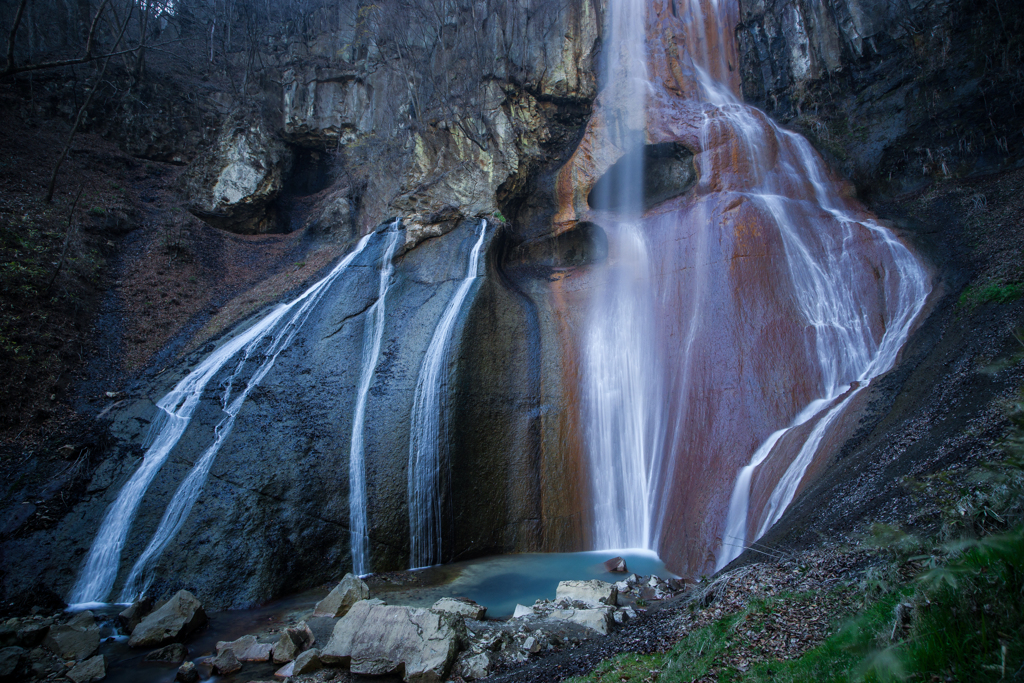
{"x": 623, "y": 395}
{"x": 824, "y": 270}
{"x": 373, "y": 334}
{"x": 428, "y": 440}
{"x": 678, "y": 358}
{"x": 259, "y": 345}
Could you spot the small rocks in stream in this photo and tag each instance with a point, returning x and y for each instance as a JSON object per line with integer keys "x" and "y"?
{"x": 12, "y": 663}
{"x": 174, "y": 653}
{"x": 225, "y": 662}
{"x": 292, "y": 642}
{"x": 347, "y": 593}
{"x": 181, "y": 616}
{"x": 90, "y": 670}
{"x": 187, "y": 673}
{"x": 308, "y": 662}
{"x": 78, "y": 639}
{"x": 463, "y": 606}
{"x": 247, "y": 649}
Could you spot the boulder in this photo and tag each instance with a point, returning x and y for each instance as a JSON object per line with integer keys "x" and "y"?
{"x": 596, "y": 619}
{"x": 225, "y": 662}
{"x": 187, "y": 673}
{"x": 32, "y": 634}
{"x": 134, "y": 613}
{"x": 307, "y": 662}
{"x": 351, "y": 590}
{"x": 12, "y": 663}
{"x": 181, "y": 616}
{"x": 462, "y": 606}
{"x": 531, "y": 645}
{"x": 591, "y": 592}
{"x": 90, "y": 670}
{"x": 9, "y": 633}
{"x": 293, "y": 641}
{"x": 475, "y": 667}
{"x": 616, "y": 564}
{"x": 174, "y": 653}
{"x": 247, "y": 649}
{"x": 523, "y": 611}
{"x": 78, "y": 639}
{"x": 44, "y": 663}
{"x": 375, "y": 639}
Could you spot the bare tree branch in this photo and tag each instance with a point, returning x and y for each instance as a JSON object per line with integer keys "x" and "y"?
{"x": 81, "y": 110}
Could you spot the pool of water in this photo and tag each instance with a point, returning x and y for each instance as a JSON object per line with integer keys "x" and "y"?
{"x": 501, "y": 582}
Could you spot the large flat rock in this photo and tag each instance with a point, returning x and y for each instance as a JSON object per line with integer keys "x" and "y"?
{"x": 181, "y": 616}
{"x": 376, "y": 639}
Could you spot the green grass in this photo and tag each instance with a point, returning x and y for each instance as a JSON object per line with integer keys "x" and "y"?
{"x": 996, "y": 294}
{"x": 960, "y": 618}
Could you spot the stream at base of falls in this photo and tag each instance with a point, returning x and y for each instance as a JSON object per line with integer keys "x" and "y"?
{"x": 499, "y": 583}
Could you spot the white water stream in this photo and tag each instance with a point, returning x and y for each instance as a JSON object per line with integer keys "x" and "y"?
{"x": 623, "y": 394}
{"x": 825, "y": 266}
{"x": 429, "y": 473}
{"x": 373, "y": 334}
{"x": 257, "y": 346}
{"x": 826, "y": 261}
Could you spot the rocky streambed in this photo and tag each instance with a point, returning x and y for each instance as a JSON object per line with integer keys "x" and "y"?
{"x": 354, "y": 631}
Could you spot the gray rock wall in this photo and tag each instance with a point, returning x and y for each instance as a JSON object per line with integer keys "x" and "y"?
{"x": 894, "y": 93}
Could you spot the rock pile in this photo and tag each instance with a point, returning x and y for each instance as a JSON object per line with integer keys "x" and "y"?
{"x": 348, "y": 628}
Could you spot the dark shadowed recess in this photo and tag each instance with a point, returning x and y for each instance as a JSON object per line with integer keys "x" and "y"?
{"x": 668, "y": 172}
{"x": 312, "y": 172}
{"x": 585, "y": 244}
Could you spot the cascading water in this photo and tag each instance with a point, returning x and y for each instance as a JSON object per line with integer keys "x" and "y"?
{"x": 823, "y": 273}
{"x": 428, "y": 439}
{"x": 623, "y": 393}
{"x": 768, "y": 304}
{"x": 373, "y": 334}
{"x": 255, "y": 349}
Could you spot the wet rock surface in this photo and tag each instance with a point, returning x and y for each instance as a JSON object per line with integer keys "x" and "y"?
{"x": 339, "y": 601}
{"x": 89, "y": 671}
{"x": 890, "y": 92}
{"x": 377, "y": 639}
{"x": 179, "y": 617}
{"x": 77, "y": 639}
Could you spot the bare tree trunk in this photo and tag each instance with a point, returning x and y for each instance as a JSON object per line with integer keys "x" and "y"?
{"x": 13, "y": 34}
{"x": 140, "y": 56}
{"x": 67, "y": 241}
{"x": 81, "y": 112}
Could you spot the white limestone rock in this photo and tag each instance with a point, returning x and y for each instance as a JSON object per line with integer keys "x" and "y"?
{"x": 247, "y": 649}
{"x": 466, "y": 608}
{"x": 375, "y": 639}
{"x": 595, "y": 619}
{"x": 351, "y": 590}
{"x": 591, "y": 592}
{"x": 523, "y": 611}
{"x": 179, "y": 617}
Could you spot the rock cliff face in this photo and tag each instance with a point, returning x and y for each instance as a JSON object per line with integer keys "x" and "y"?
{"x": 449, "y": 114}
{"x": 896, "y": 94}
{"x": 487, "y": 100}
